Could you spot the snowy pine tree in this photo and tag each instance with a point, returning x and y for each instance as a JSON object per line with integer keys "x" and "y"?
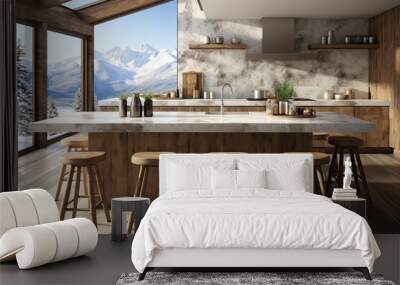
{"x": 52, "y": 111}
{"x": 24, "y": 92}
{"x": 78, "y": 101}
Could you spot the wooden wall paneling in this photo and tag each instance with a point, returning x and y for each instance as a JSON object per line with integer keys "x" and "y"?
{"x": 43, "y": 3}
{"x": 384, "y": 68}
{"x": 87, "y": 83}
{"x": 395, "y": 127}
{"x": 57, "y": 18}
{"x": 40, "y": 80}
{"x": 112, "y": 9}
{"x": 51, "y": 3}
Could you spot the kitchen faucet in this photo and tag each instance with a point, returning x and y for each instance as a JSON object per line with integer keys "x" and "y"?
{"x": 222, "y": 96}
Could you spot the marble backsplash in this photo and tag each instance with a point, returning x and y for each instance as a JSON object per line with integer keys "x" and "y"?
{"x": 337, "y": 70}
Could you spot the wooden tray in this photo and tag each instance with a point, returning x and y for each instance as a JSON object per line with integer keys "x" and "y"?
{"x": 305, "y": 116}
{"x": 296, "y": 116}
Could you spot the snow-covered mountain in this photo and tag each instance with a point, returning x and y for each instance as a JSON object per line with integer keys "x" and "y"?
{"x": 118, "y": 70}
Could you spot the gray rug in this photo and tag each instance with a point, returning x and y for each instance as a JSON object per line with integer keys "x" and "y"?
{"x": 243, "y": 278}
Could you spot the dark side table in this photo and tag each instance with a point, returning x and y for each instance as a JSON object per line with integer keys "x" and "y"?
{"x": 120, "y": 207}
{"x": 357, "y": 205}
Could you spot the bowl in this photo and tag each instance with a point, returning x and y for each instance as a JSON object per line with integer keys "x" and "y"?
{"x": 339, "y": 96}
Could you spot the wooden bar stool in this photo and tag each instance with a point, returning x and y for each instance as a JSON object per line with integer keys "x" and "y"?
{"x": 76, "y": 143}
{"x": 144, "y": 160}
{"x": 320, "y": 159}
{"x": 73, "y": 144}
{"x": 88, "y": 161}
{"x": 319, "y": 139}
{"x": 350, "y": 145}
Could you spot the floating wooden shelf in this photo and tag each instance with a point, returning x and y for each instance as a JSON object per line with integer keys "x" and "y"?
{"x": 344, "y": 46}
{"x": 217, "y": 46}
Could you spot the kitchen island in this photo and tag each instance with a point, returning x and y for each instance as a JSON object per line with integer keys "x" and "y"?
{"x": 375, "y": 111}
{"x": 187, "y": 132}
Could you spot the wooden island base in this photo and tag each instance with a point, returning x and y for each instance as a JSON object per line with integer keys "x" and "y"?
{"x": 119, "y": 175}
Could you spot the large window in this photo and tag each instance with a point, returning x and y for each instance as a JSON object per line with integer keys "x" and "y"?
{"x": 64, "y": 74}
{"x": 24, "y": 67}
{"x": 137, "y": 53}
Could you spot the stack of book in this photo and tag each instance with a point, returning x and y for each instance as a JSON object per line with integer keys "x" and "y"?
{"x": 343, "y": 194}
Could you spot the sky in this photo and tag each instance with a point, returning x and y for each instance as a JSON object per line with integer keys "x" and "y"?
{"x": 61, "y": 47}
{"x": 156, "y": 26}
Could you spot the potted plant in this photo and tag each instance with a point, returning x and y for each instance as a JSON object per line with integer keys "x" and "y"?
{"x": 148, "y": 105}
{"x": 123, "y": 104}
{"x": 284, "y": 91}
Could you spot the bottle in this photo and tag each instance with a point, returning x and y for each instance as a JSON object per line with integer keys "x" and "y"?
{"x": 148, "y": 107}
{"x": 269, "y": 107}
{"x": 136, "y": 106}
{"x": 323, "y": 40}
{"x": 331, "y": 38}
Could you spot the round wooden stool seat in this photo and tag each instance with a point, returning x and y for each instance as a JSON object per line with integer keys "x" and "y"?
{"x": 84, "y": 158}
{"x": 345, "y": 141}
{"x": 146, "y": 158}
{"x": 320, "y": 158}
{"x": 76, "y": 142}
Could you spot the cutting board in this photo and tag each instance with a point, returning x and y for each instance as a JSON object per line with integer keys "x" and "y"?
{"x": 192, "y": 81}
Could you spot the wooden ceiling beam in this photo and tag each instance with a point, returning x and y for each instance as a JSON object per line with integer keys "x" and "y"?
{"x": 112, "y": 9}
{"x": 42, "y": 3}
{"x": 57, "y": 18}
{"x": 51, "y": 3}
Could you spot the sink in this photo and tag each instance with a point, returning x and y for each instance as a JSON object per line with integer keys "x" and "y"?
{"x": 227, "y": 113}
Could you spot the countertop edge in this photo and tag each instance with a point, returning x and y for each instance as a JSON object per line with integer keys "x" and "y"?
{"x": 244, "y": 102}
{"x": 189, "y": 122}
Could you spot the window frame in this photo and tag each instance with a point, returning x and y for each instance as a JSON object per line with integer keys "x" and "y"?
{"x": 37, "y": 138}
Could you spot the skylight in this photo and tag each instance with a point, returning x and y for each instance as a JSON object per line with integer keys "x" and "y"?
{"x": 80, "y": 4}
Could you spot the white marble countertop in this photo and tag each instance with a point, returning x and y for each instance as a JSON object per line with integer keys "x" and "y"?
{"x": 244, "y": 102}
{"x": 202, "y": 122}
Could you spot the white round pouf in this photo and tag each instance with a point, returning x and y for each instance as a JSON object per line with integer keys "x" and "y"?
{"x": 46, "y": 243}
{"x": 87, "y": 235}
{"x": 31, "y": 233}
